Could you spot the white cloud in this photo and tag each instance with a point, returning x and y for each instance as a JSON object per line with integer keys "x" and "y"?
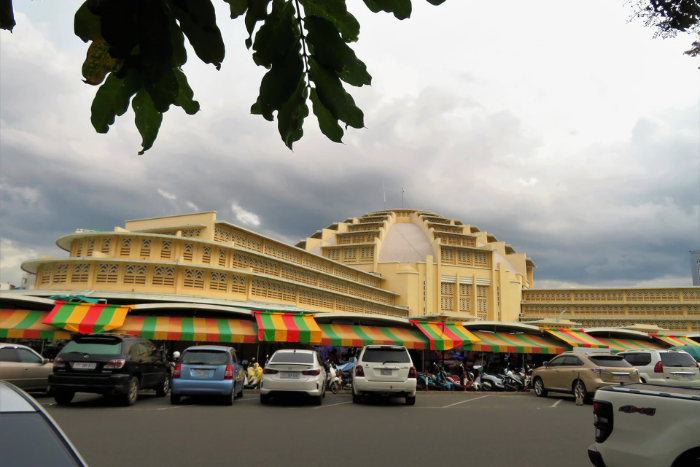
{"x": 246, "y": 217}
{"x": 192, "y": 206}
{"x": 166, "y": 195}
{"x": 17, "y": 194}
{"x": 12, "y": 255}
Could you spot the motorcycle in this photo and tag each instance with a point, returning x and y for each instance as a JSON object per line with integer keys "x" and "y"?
{"x": 332, "y": 378}
{"x": 428, "y": 380}
{"x": 490, "y": 382}
{"x": 255, "y": 372}
{"x": 513, "y": 381}
{"x": 452, "y": 379}
{"x": 441, "y": 378}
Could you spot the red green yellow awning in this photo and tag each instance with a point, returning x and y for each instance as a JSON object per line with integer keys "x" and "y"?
{"x": 445, "y": 336}
{"x": 28, "y": 324}
{"x": 675, "y": 341}
{"x": 516, "y": 343}
{"x": 190, "y": 329}
{"x": 86, "y": 318}
{"x": 620, "y": 345}
{"x": 356, "y": 336}
{"x": 287, "y": 327}
{"x": 577, "y": 338}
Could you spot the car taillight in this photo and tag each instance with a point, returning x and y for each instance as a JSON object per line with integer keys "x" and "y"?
{"x": 269, "y": 371}
{"x": 311, "y": 372}
{"x": 177, "y": 371}
{"x": 602, "y": 420}
{"x": 114, "y": 364}
{"x": 412, "y": 372}
{"x": 59, "y": 363}
{"x": 659, "y": 367}
{"x": 359, "y": 371}
{"x": 228, "y": 372}
{"x": 600, "y": 371}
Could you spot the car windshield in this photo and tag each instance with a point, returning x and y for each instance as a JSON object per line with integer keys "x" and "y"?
{"x": 292, "y": 357}
{"x": 27, "y": 439}
{"x": 205, "y": 357}
{"x": 611, "y": 361}
{"x": 678, "y": 359}
{"x": 386, "y": 356}
{"x": 94, "y": 347}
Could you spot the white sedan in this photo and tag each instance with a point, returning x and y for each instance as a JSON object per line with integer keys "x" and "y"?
{"x": 293, "y": 372}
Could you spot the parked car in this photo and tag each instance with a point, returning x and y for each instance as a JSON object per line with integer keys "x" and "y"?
{"x": 30, "y": 437}
{"x": 208, "y": 370}
{"x": 297, "y": 372}
{"x": 646, "y": 425}
{"x": 581, "y": 374}
{"x": 23, "y": 367}
{"x": 384, "y": 370}
{"x": 109, "y": 364}
{"x": 664, "y": 367}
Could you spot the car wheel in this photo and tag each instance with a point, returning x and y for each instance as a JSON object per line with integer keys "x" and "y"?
{"x": 228, "y": 400}
{"x": 540, "y": 391}
{"x": 132, "y": 392}
{"x": 162, "y": 390}
{"x": 240, "y": 393}
{"x": 174, "y": 399}
{"x": 643, "y": 380}
{"x": 264, "y": 399}
{"x": 63, "y": 397}
{"x": 356, "y": 399}
{"x": 410, "y": 400}
{"x": 318, "y": 400}
{"x": 580, "y": 391}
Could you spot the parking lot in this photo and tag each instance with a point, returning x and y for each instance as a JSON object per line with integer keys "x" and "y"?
{"x": 467, "y": 428}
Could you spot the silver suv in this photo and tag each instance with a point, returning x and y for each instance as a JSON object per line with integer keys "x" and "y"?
{"x": 664, "y": 367}
{"x": 384, "y": 370}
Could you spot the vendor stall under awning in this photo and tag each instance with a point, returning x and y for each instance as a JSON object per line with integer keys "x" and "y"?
{"x": 516, "y": 343}
{"x": 675, "y": 341}
{"x": 87, "y": 318}
{"x": 356, "y": 336}
{"x": 445, "y": 336}
{"x": 576, "y": 338}
{"x": 287, "y": 327}
{"x": 28, "y": 324}
{"x": 190, "y": 329}
{"x": 621, "y": 345}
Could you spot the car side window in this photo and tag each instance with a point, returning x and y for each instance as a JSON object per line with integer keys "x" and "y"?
{"x": 9, "y": 355}
{"x": 27, "y": 356}
{"x": 631, "y": 358}
{"x": 573, "y": 361}
{"x": 643, "y": 359}
{"x": 138, "y": 350}
{"x": 151, "y": 349}
{"x": 557, "y": 361}
{"x": 233, "y": 357}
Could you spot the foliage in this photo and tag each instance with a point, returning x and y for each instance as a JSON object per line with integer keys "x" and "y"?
{"x": 669, "y": 17}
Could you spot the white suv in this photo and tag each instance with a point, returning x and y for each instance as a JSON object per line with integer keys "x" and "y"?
{"x": 384, "y": 370}
{"x": 664, "y": 367}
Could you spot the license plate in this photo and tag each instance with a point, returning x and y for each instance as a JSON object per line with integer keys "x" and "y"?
{"x": 385, "y": 372}
{"x": 84, "y": 366}
{"x": 685, "y": 376}
{"x": 201, "y": 372}
{"x": 621, "y": 377}
{"x": 289, "y": 375}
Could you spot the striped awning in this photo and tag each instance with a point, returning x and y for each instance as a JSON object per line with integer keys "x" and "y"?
{"x": 356, "y": 336}
{"x": 86, "y": 318}
{"x": 169, "y": 328}
{"x": 516, "y": 343}
{"x": 620, "y": 345}
{"x": 675, "y": 341}
{"x": 287, "y": 327}
{"x": 445, "y": 336}
{"x": 576, "y": 338}
{"x": 28, "y": 324}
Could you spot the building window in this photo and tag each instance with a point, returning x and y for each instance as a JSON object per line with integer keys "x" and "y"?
{"x": 481, "y": 259}
{"x": 79, "y": 251}
{"x": 447, "y": 255}
{"x": 334, "y": 254}
{"x": 464, "y": 257}
{"x": 91, "y": 247}
{"x": 465, "y": 297}
{"x": 163, "y": 275}
{"x": 105, "y": 245}
{"x": 349, "y": 255}
{"x": 61, "y": 274}
{"x": 367, "y": 253}
{"x": 446, "y": 296}
{"x": 46, "y": 274}
{"x": 135, "y": 274}
{"x": 206, "y": 254}
{"x": 238, "y": 284}
{"x": 218, "y": 281}
{"x": 187, "y": 255}
{"x": 107, "y": 273}
{"x": 222, "y": 258}
{"x": 482, "y": 302}
{"x": 194, "y": 278}
{"x": 80, "y": 273}
{"x": 126, "y": 247}
{"x": 146, "y": 247}
{"x": 166, "y": 249}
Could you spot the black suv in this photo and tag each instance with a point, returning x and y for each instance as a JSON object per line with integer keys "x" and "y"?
{"x": 109, "y": 364}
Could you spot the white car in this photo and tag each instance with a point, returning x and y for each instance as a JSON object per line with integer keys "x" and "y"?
{"x": 384, "y": 370}
{"x": 664, "y": 367}
{"x": 293, "y": 372}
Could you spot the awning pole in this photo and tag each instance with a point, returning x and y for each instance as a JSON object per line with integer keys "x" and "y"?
{"x": 42, "y": 347}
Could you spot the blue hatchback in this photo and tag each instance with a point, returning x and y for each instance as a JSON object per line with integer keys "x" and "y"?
{"x": 208, "y": 370}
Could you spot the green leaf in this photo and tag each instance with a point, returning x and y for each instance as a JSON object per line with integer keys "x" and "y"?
{"x": 85, "y": 24}
{"x": 98, "y": 62}
{"x": 290, "y": 117}
{"x": 326, "y": 121}
{"x": 163, "y": 89}
{"x": 257, "y": 11}
{"x": 238, "y": 7}
{"x": 184, "y": 98}
{"x": 198, "y": 21}
{"x": 112, "y": 99}
{"x": 119, "y": 26}
{"x": 177, "y": 39}
{"x": 148, "y": 119}
{"x": 336, "y": 12}
{"x": 278, "y": 84}
{"x": 331, "y": 93}
{"x": 279, "y": 32}
{"x": 400, "y": 8}
{"x": 7, "y": 15}
{"x": 330, "y": 50}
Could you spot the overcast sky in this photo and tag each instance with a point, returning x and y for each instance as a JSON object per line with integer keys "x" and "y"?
{"x": 559, "y": 127}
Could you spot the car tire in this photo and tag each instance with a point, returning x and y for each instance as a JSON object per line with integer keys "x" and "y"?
{"x": 175, "y": 399}
{"x": 132, "y": 392}
{"x": 162, "y": 390}
{"x": 540, "y": 390}
{"x": 580, "y": 389}
{"x": 410, "y": 400}
{"x": 356, "y": 399}
{"x": 264, "y": 399}
{"x": 63, "y": 397}
{"x": 318, "y": 400}
{"x": 228, "y": 400}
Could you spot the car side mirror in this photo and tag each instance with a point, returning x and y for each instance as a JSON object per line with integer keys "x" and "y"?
{"x": 546, "y": 364}
{"x": 44, "y": 361}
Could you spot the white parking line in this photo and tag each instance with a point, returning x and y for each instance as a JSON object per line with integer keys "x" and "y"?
{"x": 462, "y": 402}
{"x": 556, "y": 403}
{"x": 333, "y": 405}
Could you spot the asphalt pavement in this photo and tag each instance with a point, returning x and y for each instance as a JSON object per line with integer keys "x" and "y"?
{"x": 485, "y": 429}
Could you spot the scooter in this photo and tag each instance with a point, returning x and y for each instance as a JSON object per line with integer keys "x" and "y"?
{"x": 429, "y": 381}
{"x": 491, "y": 382}
{"x": 454, "y": 380}
{"x": 512, "y": 381}
{"x": 255, "y": 372}
{"x": 332, "y": 379}
{"x": 441, "y": 378}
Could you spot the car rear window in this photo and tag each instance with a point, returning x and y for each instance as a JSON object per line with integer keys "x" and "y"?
{"x": 612, "y": 361}
{"x": 102, "y": 347}
{"x": 386, "y": 355}
{"x": 205, "y": 357}
{"x": 292, "y": 357}
{"x": 674, "y": 359}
